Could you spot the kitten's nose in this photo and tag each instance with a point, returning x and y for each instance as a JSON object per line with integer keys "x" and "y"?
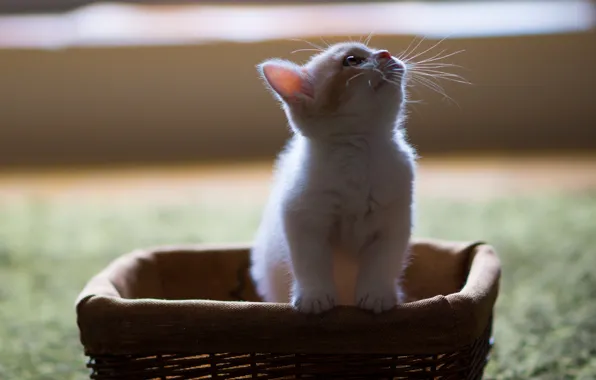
{"x": 383, "y": 54}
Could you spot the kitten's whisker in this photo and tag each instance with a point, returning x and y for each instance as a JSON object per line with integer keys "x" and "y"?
{"x": 404, "y": 57}
{"x": 434, "y": 56}
{"x": 353, "y": 77}
{"x": 439, "y": 73}
{"x": 379, "y": 71}
{"x": 384, "y": 77}
{"x": 435, "y": 87}
{"x": 462, "y": 81}
{"x": 393, "y": 80}
{"x": 435, "y": 65}
{"x": 408, "y": 48}
{"x": 308, "y": 43}
{"x": 427, "y": 71}
{"x": 325, "y": 42}
{"x": 429, "y": 83}
{"x": 428, "y": 63}
{"x": 369, "y": 38}
{"x": 300, "y": 50}
{"x": 457, "y": 81}
{"x": 427, "y": 50}
{"x": 411, "y": 51}
{"x": 444, "y": 77}
{"x": 392, "y": 65}
{"x": 443, "y": 57}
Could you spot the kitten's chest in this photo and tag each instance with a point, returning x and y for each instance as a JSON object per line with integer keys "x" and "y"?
{"x": 355, "y": 186}
{"x": 364, "y": 179}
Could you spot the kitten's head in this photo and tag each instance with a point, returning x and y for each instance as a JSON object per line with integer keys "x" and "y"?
{"x": 348, "y": 88}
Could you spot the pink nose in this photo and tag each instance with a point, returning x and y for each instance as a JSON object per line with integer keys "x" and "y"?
{"x": 383, "y": 54}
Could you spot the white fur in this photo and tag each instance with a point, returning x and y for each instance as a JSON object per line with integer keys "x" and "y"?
{"x": 337, "y": 226}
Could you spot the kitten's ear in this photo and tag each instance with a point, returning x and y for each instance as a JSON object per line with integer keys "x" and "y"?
{"x": 288, "y": 80}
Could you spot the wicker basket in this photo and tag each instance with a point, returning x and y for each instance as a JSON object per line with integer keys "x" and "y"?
{"x": 191, "y": 313}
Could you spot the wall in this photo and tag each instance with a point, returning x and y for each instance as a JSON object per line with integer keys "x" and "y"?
{"x": 132, "y": 104}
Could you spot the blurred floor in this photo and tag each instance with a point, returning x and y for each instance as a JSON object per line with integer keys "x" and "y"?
{"x": 461, "y": 177}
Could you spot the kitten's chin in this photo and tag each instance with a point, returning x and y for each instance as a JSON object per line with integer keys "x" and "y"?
{"x": 387, "y": 92}
{"x": 384, "y": 85}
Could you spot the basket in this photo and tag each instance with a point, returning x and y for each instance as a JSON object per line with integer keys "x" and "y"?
{"x": 191, "y": 312}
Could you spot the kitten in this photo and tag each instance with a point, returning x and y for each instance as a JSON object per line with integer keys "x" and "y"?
{"x": 337, "y": 226}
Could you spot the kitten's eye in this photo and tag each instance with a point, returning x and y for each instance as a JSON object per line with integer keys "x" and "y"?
{"x": 352, "y": 60}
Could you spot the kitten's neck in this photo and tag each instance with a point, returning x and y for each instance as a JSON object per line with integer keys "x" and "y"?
{"x": 356, "y": 142}
{"x": 344, "y": 128}
{"x": 347, "y": 134}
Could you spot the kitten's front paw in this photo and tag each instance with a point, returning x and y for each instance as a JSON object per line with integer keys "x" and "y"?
{"x": 377, "y": 299}
{"x": 313, "y": 302}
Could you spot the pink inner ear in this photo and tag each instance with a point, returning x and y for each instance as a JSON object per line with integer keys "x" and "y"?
{"x": 289, "y": 82}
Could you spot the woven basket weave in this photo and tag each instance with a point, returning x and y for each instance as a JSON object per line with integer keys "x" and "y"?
{"x": 191, "y": 312}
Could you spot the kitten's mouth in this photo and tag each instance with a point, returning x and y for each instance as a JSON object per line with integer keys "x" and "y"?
{"x": 382, "y": 83}
{"x": 379, "y": 85}
{"x": 387, "y": 79}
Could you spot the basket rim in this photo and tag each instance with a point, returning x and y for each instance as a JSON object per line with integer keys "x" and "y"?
{"x": 451, "y": 322}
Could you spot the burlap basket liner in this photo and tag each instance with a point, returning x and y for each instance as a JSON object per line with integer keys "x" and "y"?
{"x": 185, "y": 300}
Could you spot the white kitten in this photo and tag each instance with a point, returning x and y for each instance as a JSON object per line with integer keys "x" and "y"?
{"x": 337, "y": 226}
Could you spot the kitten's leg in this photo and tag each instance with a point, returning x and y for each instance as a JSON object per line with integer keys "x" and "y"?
{"x": 312, "y": 262}
{"x": 381, "y": 265}
{"x": 270, "y": 273}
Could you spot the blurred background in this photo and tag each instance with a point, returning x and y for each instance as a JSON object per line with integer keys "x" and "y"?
{"x": 126, "y": 124}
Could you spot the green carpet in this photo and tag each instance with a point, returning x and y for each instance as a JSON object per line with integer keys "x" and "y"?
{"x": 545, "y": 319}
